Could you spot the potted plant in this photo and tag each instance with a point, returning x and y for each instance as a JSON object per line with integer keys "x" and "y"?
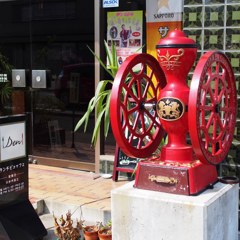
{"x": 64, "y": 229}
{"x": 91, "y": 231}
{"x": 101, "y": 100}
{"x": 5, "y": 85}
{"x": 105, "y": 231}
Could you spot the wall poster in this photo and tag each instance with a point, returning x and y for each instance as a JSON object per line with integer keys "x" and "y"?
{"x": 163, "y": 16}
{"x": 125, "y": 31}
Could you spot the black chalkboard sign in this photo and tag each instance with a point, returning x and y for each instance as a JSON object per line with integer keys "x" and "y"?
{"x": 18, "y": 218}
{"x": 13, "y": 181}
{"x": 123, "y": 163}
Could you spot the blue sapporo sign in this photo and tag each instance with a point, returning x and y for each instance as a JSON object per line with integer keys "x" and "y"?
{"x": 110, "y": 3}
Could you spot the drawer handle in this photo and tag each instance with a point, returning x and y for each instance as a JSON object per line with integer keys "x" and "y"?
{"x": 162, "y": 179}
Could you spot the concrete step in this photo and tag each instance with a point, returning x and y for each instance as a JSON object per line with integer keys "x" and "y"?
{"x": 46, "y": 209}
{"x": 47, "y": 220}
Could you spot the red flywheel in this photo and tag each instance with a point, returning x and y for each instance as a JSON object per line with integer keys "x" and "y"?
{"x": 212, "y": 108}
{"x": 135, "y": 92}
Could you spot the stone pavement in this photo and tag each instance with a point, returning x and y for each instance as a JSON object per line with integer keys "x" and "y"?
{"x": 55, "y": 190}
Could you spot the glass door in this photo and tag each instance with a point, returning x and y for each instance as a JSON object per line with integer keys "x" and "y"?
{"x": 48, "y": 40}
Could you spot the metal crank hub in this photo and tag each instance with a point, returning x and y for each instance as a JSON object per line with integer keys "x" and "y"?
{"x": 133, "y": 115}
{"x": 212, "y": 108}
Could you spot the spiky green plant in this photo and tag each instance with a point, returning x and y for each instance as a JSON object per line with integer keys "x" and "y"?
{"x": 5, "y": 91}
{"x": 101, "y": 100}
{"x": 5, "y": 87}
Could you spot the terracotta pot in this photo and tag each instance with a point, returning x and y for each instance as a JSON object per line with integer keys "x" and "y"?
{"x": 102, "y": 234}
{"x": 90, "y": 233}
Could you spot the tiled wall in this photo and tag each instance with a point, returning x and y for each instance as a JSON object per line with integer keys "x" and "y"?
{"x": 215, "y": 25}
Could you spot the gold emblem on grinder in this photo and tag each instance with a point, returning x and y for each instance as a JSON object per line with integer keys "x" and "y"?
{"x": 170, "y": 61}
{"x": 170, "y": 109}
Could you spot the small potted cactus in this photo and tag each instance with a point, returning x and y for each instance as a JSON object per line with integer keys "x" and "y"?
{"x": 105, "y": 231}
{"x": 64, "y": 229}
{"x": 91, "y": 231}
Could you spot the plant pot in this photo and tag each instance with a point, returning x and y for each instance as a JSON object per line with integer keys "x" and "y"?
{"x": 90, "y": 233}
{"x": 104, "y": 235}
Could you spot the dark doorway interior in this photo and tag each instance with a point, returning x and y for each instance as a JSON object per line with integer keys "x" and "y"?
{"x": 51, "y": 36}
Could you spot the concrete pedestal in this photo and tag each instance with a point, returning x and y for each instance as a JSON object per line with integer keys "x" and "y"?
{"x": 141, "y": 214}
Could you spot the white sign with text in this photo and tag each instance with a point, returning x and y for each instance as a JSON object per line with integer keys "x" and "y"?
{"x": 110, "y": 3}
{"x": 13, "y": 141}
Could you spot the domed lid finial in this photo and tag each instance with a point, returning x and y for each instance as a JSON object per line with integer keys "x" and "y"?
{"x": 176, "y": 38}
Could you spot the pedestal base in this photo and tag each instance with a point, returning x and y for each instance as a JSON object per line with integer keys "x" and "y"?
{"x": 173, "y": 177}
{"x": 140, "y": 214}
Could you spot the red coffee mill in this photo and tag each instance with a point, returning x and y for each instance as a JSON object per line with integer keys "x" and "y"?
{"x": 151, "y": 99}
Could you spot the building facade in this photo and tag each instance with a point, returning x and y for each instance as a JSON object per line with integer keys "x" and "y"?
{"x": 54, "y": 36}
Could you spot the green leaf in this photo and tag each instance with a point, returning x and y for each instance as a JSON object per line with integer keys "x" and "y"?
{"x": 114, "y": 67}
{"x": 107, "y": 116}
{"x": 140, "y": 48}
{"x": 95, "y": 103}
{"x": 100, "y": 88}
{"x": 5, "y": 91}
{"x": 81, "y": 121}
{"x": 96, "y": 128}
{"x": 101, "y": 62}
{"x": 112, "y": 58}
{"x": 85, "y": 117}
{"x": 108, "y": 53}
{"x": 92, "y": 106}
{"x": 101, "y": 103}
{"x": 88, "y": 112}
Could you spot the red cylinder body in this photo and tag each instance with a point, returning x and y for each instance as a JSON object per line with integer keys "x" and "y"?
{"x": 176, "y": 55}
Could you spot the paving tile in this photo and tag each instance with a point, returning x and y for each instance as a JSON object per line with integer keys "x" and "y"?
{"x": 71, "y": 187}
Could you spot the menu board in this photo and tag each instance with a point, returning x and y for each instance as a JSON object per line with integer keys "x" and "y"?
{"x": 13, "y": 160}
{"x": 13, "y": 181}
{"x": 123, "y": 163}
{"x": 18, "y": 218}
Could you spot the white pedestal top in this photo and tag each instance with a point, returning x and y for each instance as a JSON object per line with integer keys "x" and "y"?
{"x": 142, "y": 214}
